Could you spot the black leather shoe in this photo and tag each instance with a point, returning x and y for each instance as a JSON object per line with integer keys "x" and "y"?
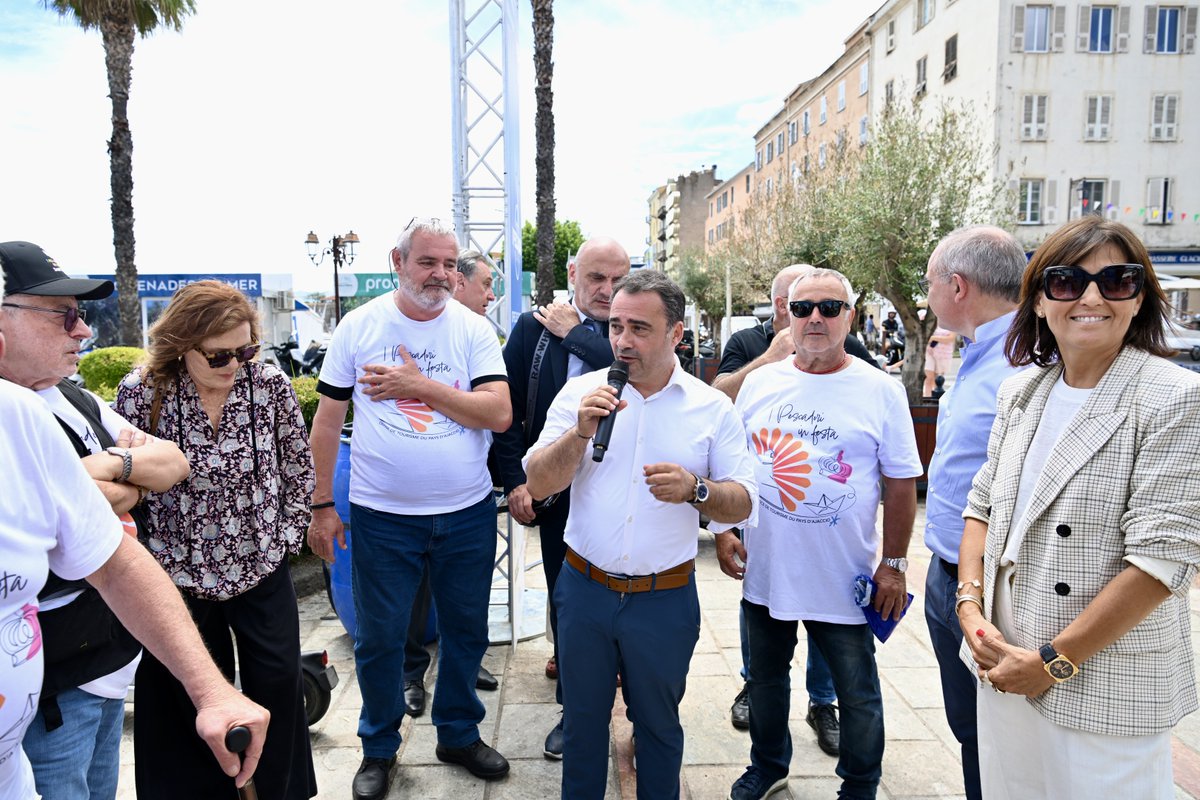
{"x": 486, "y": 680}
{"x": 414, "y": 698}
{"x": 739, "y": 712}
{"x": 824, "y": 720}
{"x": 373, "y": 778}
{"x": 479, "y": 759}
{"x": 554, "y": 742}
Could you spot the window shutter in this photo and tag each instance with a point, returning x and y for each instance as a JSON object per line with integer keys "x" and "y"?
{"x": 1151, "y": 29}
{"x": 1156, "y": 116}
{"x": 1155, "y": 214}
{"x": 1018, "y": 29}
{"x": 1170, "y": 102}
{"x": 1189, "y": 29}
{"x": 1050, "y": 202}
{"x": 1083, "y": 29}
{"x": 1040, "y": 127}
{"x": 1105, "y": 116}
{"x": 1123, "y": 29}
{"x": 1114, "y": 193}
{"x": 1060, "y": 29}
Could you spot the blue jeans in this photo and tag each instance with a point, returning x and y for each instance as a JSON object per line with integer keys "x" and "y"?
{"x": 390, "y": 553}
{"x": 817, "y": 678}
{"x": 850, "y": 652}
{"x": 651, "y": 636}
{"x": 80, "y": 759}
{"x": 958, "y": 685}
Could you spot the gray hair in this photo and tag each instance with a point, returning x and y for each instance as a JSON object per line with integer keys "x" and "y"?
{"x": 786, "y": 277}
{"x": 987, "y": 256}
{"x": 429, "y": 225}
{"x": 651, "y": 280}
{"x": 468, "y": 260}
{"x": 822, "y": 272}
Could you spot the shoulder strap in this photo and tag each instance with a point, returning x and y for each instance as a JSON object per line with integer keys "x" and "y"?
{"x": 89, "y": 409}
{"x": 535, "y": 374}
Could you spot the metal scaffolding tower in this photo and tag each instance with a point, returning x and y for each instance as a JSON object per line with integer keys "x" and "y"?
{"x": 487, "y": 218}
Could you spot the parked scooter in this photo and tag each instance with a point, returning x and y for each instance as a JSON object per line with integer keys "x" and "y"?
{"x": 319, "y": 679}
{"x": 308, "y": 364}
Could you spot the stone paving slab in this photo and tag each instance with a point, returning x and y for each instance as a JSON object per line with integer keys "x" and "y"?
{"x": 921, "y": 760}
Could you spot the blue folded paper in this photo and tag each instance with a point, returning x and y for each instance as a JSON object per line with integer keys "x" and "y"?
{"x": 864, "y": 594}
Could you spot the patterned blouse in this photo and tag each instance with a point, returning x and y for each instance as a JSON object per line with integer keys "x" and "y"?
{"x": 244, "y": 507}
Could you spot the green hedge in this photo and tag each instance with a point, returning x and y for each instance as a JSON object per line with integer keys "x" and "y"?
{"x": 103, "y": 369}
{"x": 306, "y": 393}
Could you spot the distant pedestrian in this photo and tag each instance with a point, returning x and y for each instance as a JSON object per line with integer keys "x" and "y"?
{"x": 871, "y": 332}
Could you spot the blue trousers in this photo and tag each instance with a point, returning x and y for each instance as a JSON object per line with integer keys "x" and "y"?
{"x": 651, "y": 635}
{"x": 958, "y": 685}
{"x": 850, "y": 652}
{"x": 81, "y": 758}
{"x": 390, "y": 553}
{"x": 817, "y": 678}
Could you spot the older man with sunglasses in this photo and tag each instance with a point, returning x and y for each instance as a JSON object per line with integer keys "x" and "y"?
{"x": 822, "y": 429}
{"x": 73, "y": 743}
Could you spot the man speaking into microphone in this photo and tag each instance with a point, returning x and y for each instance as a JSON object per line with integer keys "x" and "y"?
{"x": 627, "y": 590}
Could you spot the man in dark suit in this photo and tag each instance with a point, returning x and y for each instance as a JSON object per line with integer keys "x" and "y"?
{"x": 545, "y": 348}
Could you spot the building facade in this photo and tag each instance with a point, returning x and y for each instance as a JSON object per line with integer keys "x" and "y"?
{"x": 725, "y": 204}
{"x": 678, "y": 211}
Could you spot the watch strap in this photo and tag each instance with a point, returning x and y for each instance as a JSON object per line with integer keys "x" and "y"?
{"x": 1048, "y": 653}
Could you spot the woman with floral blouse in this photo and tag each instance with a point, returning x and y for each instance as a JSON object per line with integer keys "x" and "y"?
{"x": 224, "y": 536}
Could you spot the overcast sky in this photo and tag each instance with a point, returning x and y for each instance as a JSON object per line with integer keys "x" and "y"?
{"x": 263, "y": 120}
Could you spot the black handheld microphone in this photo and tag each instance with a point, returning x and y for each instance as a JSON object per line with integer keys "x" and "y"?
{"x": 618, "y": 376}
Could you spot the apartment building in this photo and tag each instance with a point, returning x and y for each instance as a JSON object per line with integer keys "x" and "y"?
{"x": 678, "y": 210}
{"x": 1088, "y": 106}
{"x": 827, "y": 112}
{"x": 725, "y": 204}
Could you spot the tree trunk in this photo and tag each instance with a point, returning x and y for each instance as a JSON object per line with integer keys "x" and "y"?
{"x": 117, "y": 30}
{"x": 543, "y": 70}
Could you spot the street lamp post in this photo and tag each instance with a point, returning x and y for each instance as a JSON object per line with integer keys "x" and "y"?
{"x": 342, "y": 250}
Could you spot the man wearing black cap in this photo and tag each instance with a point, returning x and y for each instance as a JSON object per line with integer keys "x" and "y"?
{"x": 73, "y": 743}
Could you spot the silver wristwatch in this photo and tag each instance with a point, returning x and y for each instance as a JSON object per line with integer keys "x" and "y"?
{"x": 898, "y": 564}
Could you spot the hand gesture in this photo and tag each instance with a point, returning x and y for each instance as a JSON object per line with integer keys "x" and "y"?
{"x": 977, "y": 630}
{"x": 395, "y": 382}
{"x": 597, "y": 404}
{"x": 670, "y": 483}
{"x": 226, "y": 708}
{"x": 558, "y": 318}
{"x": 520, "y": 505}
{"x": 891, "y": 593}
{"x": 1016, "y": 669}
{"x": 729, "y": 546}
{"x": 781, "y": 345}
{"x": 325, "y": 528}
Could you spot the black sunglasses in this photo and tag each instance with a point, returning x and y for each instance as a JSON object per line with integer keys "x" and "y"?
{"x": 222, "y": 357}
{"x": 71, "y": 316}
{"x": 1115, "y": 282}
{"x": 828, "y": 308}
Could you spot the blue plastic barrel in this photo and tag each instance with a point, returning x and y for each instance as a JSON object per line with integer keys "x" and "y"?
{"x": 341, "y": 589}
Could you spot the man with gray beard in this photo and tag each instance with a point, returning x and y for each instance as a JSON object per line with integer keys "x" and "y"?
{"x": 427, "y": 380}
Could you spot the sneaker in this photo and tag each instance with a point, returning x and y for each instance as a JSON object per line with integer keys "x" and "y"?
{"x": 755, "y": 785}
{"x": 824, "y": 720}
{"x": 739, "y": 713}
{"x": 373, "y": 778}
{"x": 554, "y": 741}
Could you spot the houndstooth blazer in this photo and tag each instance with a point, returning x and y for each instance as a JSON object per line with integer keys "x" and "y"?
{"x": 1123, "y": 479}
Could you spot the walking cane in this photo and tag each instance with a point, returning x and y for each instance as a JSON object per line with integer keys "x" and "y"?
{"x": 236, "y": 741}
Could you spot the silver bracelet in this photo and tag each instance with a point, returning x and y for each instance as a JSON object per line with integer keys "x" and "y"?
{"x": 967, "y": 598}
{"x": 126, "y": 462}
{"x": 974, "y": 582}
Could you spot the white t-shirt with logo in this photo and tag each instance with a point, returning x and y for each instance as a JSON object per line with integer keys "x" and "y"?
{"x": 819, "y": 445}
{"x": 52, "y": 516}
{"x": 114, "y": 685}
{"x": 405, "y": 457}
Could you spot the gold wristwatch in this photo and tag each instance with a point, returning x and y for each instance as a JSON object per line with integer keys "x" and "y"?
{"x": 1057, "y": 666}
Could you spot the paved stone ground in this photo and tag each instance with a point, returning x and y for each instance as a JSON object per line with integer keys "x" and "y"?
{"x": 920, "y": 761}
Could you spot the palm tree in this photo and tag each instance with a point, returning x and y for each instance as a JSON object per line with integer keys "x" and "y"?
{"x": 118, "y": 21}
{"x": 543, "y": 71}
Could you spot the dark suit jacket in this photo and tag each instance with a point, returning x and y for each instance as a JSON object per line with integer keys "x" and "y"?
{"x": 591, "y": 348}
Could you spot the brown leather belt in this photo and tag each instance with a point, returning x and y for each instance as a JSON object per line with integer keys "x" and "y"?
{"x": 672, "y": 578}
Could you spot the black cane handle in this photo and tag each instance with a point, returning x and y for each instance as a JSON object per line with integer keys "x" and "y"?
{"x": 237, "y": 739}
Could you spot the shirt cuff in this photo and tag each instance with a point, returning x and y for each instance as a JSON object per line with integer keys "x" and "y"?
{"x": 1161, "y": 569}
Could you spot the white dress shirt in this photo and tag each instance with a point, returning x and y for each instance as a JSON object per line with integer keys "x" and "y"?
{"x": 615, "y": 522}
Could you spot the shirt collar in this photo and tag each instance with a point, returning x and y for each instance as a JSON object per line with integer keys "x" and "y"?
{"x": 582, "y": 316}
{"x": 989, "y": 331}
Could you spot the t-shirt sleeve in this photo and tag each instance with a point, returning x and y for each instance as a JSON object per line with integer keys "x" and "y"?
{"x": 337, "y": 371}
{"x": 486, "y": 358}
{"x": 898, "y": 456}
{"x": 87, "y": 530}
{"x": 733, "y": 357}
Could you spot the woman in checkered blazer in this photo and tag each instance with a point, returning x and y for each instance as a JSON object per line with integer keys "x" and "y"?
{"x": 1082, "y": 533}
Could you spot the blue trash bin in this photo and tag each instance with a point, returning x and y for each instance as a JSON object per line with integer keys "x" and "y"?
{"x": 341, "y": 590}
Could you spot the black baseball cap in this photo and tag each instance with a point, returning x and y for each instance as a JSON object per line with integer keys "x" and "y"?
{"x": 28, "y": 270}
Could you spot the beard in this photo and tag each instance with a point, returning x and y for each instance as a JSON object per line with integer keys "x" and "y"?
{"x": 432, "y": 296}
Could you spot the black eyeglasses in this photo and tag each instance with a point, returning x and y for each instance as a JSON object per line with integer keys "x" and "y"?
{"x": 828, "y": 308}
{"x": 222, "y": 358}
{"x": 1115, "y": 282}
{"x": 71, "y": 316}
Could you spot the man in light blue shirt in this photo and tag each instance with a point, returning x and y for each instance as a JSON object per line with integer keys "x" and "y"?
{"x": 973, "y": 282}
